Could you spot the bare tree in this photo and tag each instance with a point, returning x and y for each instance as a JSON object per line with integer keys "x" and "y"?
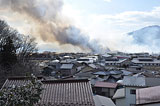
{"x": 15, "y": 50}
{"x": 24, "y": 45}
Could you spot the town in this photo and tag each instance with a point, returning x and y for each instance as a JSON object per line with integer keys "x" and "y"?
{"x": 79, "y": 52}
{"x": 87, "y": 79}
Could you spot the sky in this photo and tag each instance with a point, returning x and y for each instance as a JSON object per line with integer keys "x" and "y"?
{"x": 110, "y": 20}
{"x": 99, "y": 22}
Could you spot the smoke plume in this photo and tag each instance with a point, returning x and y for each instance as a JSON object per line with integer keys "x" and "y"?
{"x": 48, "y": 23}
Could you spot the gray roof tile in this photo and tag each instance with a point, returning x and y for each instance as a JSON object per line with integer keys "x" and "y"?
{"x": 67, "y": 66}
{"x": 62, "y": 92}
{"x": 148, "y": 95}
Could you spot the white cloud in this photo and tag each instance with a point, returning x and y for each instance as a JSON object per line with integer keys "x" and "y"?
{"x": 112, "y": 30}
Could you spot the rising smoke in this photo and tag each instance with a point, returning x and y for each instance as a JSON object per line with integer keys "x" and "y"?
{"x": 49, "y": 23}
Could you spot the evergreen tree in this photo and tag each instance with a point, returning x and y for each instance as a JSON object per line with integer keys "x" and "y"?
{"x": 14, "y": 47}
{"x": 25, "y": 95}
{"x": 8, "y": 53}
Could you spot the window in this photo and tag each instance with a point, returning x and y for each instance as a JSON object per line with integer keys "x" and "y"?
{"x": 132, "y": 91}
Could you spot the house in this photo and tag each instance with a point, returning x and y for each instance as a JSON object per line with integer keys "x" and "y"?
{"x": 122, "y": 56}
{"x": 119, "y": 96}
{"x": 126, "y": 73}
{"x": 114, "y": 76}
{"x": 55, "y": 64}
{"x": 145, "y": 61}
{"x": 127, "y": 96}
{"x": 135, "y": 68}
{"x": 89, "y": 68}
{"x": 48, "y": 70}
{"x": 97, "y": 78}
{"x": 104, "y": 88}
{"x": 130, "y": 84}
{"x": 86, "y": 71}
{"x": 85, "y": 60}
{"x": 67, "y": 61}
{"x": 93, "y": 66}
{"x": 100, "y": 73}
{"x": 148, "y": 73}
{"x": 111, "y": 79}
{"x": 78, "y": 66}
{"x": 67, "y": 69}
{"x": 145, "y": 54}
{"x": 95, "y": 58}
{"x": 84, "y": 75}
{"x": 140, "y": 81}
{"x": 140, "y": 55}
{"x": 148, "y": 96}
{"x": 67, "y": 92}
{"x": 105, "y": 56}
{"x": 110, "y": 76}
{"x": 61, "y": 92}
{"x": 51, "y": 68}
{"x": 116, "y": 62}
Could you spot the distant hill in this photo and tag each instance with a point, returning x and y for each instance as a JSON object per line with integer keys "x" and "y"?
{"x": 149, "y": 36}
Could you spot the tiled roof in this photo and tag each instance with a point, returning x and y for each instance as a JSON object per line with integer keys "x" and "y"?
{"x": 152, "y": 82}
{"x": 62, "y": 92}
{"x": 148, "y": 95}
{"x": 103, "y": 101}
{"x": 115, "y": 72}
{"x": 71, "y": 92}
{"x": 120, "y": 93}
{"x": 67, "y": 66}
{"x": 105, "y": 84}
{"x": 136, "y": 60}
{"x": 112, "y": 72}
{"x": 134, "y": 81}
{"x": 116, "y": 61}
{"x": 92, "y": 66}
{"x": 18, "y": 81}
{"x": 84, "y": 74}
{"x": 125, "y": 72}
{"x": 100, "y": 73}
{"x": 140, "y": 81}
{"x": 117, "y": 76}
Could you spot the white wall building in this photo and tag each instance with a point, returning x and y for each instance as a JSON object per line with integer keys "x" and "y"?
{"x": 146, "y": 62}
{"x": 127, "y": 96}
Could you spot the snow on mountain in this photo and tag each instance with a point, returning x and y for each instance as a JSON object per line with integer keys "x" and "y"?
{"x": 147, "y": 36}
